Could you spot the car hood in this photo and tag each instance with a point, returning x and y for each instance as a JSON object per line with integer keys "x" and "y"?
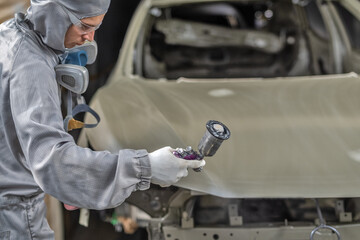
{"x": 290, "y": 137}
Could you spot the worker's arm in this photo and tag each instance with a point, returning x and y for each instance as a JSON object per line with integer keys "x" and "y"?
{"x": 76, "y": 176}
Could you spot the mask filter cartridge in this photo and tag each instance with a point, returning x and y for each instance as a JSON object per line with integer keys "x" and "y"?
{"x": 73, "y": 77}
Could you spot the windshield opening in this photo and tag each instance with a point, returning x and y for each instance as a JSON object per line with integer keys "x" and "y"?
{"x": 224, "y": 40}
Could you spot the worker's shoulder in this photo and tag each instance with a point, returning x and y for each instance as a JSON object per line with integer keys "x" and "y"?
{"x": 10, "y": 39}
{"x": 20, "y": 47}
{"x": 32, "y": 69}
{"x": 25, "y": 59}
{"x": 31, "y": 50}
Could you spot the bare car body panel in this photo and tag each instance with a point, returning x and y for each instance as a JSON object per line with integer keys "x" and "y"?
{"x": 294, "y": 137}
{"x": 281, "y": 75}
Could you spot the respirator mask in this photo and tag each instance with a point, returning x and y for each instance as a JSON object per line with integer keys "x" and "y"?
{"x": 74, "y": 77}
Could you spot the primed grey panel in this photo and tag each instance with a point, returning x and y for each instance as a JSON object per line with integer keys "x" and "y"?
{"x": 291, "y": 137}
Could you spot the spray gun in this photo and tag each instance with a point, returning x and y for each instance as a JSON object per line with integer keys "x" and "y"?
{"x": 216, "y": 133}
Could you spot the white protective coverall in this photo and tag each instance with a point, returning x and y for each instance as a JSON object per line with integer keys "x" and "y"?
{"x": 36, "y": 154}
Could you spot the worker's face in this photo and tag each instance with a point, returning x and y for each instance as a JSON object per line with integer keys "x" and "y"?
{"x": 75, "y": 35}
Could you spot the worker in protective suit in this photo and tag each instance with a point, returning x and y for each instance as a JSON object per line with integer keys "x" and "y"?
{"x": 37, "y": 155}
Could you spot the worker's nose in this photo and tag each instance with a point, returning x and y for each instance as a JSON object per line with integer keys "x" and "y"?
{"x": 89, "y": 36}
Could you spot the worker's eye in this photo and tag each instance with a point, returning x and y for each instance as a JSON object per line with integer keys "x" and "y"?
{"x": 85, "y": 28}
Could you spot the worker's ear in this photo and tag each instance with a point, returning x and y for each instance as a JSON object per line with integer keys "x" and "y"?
{"x": 72, "y": 77}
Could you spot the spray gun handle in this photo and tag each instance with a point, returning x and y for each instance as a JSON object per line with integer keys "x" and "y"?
{"x": 188, "y": 154}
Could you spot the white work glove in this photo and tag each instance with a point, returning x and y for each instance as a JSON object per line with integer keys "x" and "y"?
{"x": 167, "y": 169}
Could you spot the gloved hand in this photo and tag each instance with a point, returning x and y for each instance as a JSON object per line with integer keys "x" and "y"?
{"x": 167, "y": 169}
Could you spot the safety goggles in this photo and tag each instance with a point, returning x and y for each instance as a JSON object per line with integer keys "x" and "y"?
{"x": 83, "y": 27}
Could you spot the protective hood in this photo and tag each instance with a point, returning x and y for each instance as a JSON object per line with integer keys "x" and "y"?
{"x": 51, "y": 21}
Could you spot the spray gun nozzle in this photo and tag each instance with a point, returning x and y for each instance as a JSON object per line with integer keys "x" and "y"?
{"x": 216, "y": 133}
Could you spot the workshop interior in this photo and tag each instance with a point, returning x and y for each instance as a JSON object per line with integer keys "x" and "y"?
{"x": 266, "y": 91}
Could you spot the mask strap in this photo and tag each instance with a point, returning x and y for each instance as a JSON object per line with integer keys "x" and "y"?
{"x": 69, "y": 122}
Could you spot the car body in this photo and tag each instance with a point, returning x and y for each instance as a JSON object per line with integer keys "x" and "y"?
{"x": 281, "y": 75}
